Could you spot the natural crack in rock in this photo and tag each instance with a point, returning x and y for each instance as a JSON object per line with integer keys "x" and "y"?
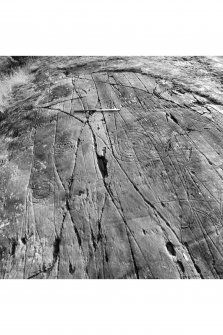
{"x": 135, "y": 193}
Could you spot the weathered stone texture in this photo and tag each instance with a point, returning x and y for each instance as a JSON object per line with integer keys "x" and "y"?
{"x": 130, "y": 194}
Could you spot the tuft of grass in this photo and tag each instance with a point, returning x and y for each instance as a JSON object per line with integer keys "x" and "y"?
{"x": 9, "y": 82}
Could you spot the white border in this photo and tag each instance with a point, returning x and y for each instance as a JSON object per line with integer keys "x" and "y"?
{"x": 114, "y": 27}
{"x": 111, "y": 307}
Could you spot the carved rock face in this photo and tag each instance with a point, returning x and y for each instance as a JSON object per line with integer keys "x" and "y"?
{"x": 135, "y": 193}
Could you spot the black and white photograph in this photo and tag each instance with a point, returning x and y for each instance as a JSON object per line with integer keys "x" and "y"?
{"x": 111, "y": 167}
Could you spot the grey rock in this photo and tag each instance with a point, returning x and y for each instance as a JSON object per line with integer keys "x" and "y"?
{"x": 133, "y": 193}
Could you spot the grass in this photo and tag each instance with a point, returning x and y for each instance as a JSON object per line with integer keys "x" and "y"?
{"x": 18, "y": 77}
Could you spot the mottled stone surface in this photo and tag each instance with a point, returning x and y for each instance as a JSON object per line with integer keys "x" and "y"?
{"x": 130, "y": 194}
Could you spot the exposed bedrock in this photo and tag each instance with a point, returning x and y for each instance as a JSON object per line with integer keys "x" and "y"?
{"x": 134, "y": 193}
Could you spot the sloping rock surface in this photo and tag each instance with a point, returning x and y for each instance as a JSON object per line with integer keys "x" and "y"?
{"x": 135, "y": 193}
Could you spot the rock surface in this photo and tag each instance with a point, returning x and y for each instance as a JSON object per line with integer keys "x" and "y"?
{"x": 135, "y": 193}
